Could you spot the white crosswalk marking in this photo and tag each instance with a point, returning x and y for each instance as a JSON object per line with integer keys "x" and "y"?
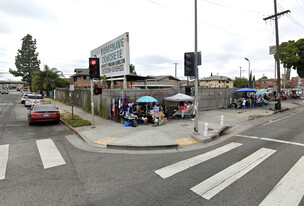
{"x": 185, "y": 164}
{"x": 290, "y": 190}
{"x": 3, "y": 160}
{"x": 49, "y": 153}
{"x": 218, "y": 182}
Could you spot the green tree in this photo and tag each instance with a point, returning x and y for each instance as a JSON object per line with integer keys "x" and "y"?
{"x": 292, "y": 55}
{"x": 26, "y": 61}
{"x": 240, "y": 82}
{"x": 48, "y": 80}
{"x": 263, "y": 77}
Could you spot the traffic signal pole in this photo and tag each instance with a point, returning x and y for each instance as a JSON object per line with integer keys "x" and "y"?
{"x": 92, "y": 103}
{"x": 195, "y": 70}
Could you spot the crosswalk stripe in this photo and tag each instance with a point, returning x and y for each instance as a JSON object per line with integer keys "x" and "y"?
{"x": 218, "y": 182}
{"x": 3, "y": 160}
{"x": 290, "y": 189}
{"x": 185, "y": 164}
{"x": 49, "y": 153}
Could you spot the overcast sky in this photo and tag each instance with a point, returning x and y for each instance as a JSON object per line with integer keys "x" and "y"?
{"x": 160, "y": 32}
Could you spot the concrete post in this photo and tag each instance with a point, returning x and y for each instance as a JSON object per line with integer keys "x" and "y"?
{"x": 206, "y": 130}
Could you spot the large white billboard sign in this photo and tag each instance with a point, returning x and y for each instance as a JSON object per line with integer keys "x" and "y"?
{"x": 114, "y": 56}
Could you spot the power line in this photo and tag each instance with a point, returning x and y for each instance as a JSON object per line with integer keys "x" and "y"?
{"x": 301, "y": 6}
{"x": 291, "y": 17}
{"x": 213, "y": 26}
{"x": 230, "y": 7}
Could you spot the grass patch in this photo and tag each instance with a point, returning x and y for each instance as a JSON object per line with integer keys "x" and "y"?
{"x": 47, "y": 101}
{"x": 76, "y": 121}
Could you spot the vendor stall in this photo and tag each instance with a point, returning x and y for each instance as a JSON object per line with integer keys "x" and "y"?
{"x": 187, "y": 109}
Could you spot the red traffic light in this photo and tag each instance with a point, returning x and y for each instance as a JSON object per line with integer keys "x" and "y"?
{"x": 92, "y": 61}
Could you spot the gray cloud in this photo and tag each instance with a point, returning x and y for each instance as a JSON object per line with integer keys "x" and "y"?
{"x": 29, "y": 9}
{"x": 5, "y": 27}
{"x": 155, "y": 65}
{"x": 153, "y": 59}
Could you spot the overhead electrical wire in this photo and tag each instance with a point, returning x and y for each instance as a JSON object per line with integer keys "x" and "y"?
{"x": 230, "y": 7}
{"x": 216, "y": 27}
{"x": 291, "y": 17}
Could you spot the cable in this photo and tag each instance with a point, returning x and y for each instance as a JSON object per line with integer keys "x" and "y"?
{"x": 227, "y": 6}
{"x": 291, "y": 17}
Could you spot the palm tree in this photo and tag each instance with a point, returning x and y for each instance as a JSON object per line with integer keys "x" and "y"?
{"x": 48, "y": 79}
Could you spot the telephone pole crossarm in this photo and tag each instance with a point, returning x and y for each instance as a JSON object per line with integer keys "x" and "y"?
{"x": 281, "y": 13}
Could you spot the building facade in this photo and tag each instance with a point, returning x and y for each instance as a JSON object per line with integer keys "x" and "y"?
{"x": 216, "y": 82}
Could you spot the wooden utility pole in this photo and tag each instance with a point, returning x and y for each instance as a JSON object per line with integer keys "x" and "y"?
{"x": 276, "y": 14}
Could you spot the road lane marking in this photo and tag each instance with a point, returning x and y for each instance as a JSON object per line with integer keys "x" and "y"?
{"x": 50, "y": 156}
{"x": 271, "y": 140}
{"x": 3, "y": 160}
{"x": 6, "y": 103}
{"x": 218, "y": 182}
{"x": 290, "y": 190}
{"x": 175, "y": 168}
{"x": 273, "y": 121}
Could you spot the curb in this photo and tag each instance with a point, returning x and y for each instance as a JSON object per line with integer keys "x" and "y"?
{"x": 217, "y": 134}
{"x": 128, "y": 147}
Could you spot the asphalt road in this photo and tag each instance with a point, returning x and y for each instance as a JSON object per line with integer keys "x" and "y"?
{"x": 241, "y": 170}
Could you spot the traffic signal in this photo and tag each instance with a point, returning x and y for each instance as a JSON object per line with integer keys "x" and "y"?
{"x": 94, "y": 68}
{"x": 97, "y": 90}
{"x": 189, "y": 64}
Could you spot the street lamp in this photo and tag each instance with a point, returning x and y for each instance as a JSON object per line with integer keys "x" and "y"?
{"x": 241, "y": 70}
{"x": 248, "y": 71}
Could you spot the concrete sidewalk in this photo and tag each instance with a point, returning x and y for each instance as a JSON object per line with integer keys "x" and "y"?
{"x": 176, "y": 133}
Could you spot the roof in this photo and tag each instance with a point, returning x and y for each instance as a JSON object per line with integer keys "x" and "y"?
{"x": 216, "y": 78}
{"x": 80, "y": 72}
{"x": 130, "y": 77}
{"x": 163, "y": 77}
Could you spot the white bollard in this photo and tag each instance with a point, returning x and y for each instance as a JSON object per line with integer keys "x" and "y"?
{"x": 206, "y": 130}
{"x": 222, "y": 121}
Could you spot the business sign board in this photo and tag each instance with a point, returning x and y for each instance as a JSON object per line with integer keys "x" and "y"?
{"x": 114, "y": 56}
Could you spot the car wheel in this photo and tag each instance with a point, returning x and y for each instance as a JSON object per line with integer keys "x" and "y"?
{"x": 31, "y": 123}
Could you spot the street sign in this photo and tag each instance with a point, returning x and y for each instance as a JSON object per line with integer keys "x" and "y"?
{"x": 272, "y": 50}
{"x": 71, "y": 87}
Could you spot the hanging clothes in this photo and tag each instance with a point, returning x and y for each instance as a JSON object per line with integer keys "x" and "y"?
{"x": 110, "y": 110}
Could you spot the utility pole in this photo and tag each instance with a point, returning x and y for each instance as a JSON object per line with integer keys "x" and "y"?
{"x": 195, "y": 70}
{"x": 175, "y": 70}
{"x": 240, "y": 72}
{"x": 276, "y": 14}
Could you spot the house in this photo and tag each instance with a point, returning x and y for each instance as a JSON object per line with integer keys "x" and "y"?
{"x": 157, "y": 82}
{"x": 268, "y": 83}
{"x": 216, "y": 81}
{"x": 81, "y": 78}
{"x": 296, "y": 81}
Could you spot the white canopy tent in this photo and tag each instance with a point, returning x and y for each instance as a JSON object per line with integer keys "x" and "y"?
{"x": 179, "y": 97}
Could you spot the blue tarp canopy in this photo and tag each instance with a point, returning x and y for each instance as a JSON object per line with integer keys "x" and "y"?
{"x": 245, "y": 90}
{"x": 261, "y": 91}
{"x": 146, "y": 99}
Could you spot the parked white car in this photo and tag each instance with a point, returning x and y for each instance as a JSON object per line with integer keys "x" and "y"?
{"x": 23, "y": 96}
{"x": 32, "y": 99}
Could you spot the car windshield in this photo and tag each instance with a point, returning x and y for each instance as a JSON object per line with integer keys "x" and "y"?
{"x": 44, "y": 108}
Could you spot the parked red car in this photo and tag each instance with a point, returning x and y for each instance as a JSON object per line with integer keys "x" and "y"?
{"x": 43, "y": 113}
